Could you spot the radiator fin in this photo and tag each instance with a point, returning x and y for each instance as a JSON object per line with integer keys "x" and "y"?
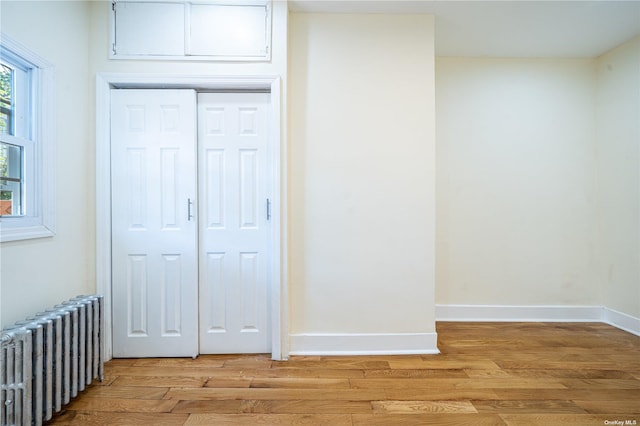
{"x": 47, "y": 359}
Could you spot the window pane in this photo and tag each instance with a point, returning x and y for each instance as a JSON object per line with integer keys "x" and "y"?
{"x": 10, "y": 199}
{"x": 6, "y": 99}
{"x": 11, "y": 180}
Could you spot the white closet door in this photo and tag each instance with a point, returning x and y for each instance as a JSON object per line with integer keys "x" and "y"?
{"x": 233, "y": 170}
{"x": 154, "y": 278}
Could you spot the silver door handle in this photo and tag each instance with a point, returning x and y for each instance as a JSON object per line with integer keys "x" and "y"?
{"x": 268, "y": 209}
{"x": 189, "y": 214}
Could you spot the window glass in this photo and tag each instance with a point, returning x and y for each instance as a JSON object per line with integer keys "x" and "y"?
{"x": 10, "y": 180}
{"x": 11, "y": 154}
{"x": 6, "y": 99}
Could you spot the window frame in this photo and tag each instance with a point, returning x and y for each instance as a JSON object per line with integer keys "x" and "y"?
{"x": 39, "y": 216}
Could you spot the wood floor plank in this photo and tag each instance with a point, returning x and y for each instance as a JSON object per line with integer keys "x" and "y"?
{"x": 226, "y": 406}
{"x": 601, "y": 383}
{"x": 446, "y": 364}
{"x": 471, "y": 383}
{"x": 417, "y": 373}
{"x": 300, "y": 383}
{"x": 161, "y": 381}
{"x": 176, "y": 371}
{"x": 261, "y": 393}
{"x": 354, "y": 363}
{"x": 422, "y": 407}
{"x": 124, "y": 419}
{"x": 436, "y": 394}
{"x": 556, "y": 364}
{"x": 588, "y": 394}
{"x": 560, "y": 419}
{"x": 253, "y": 362}
{"x": 200, "y": 362}
{"x": 445, "y": 419}
{"x": 122, "y": 405}
{"x": 328, "y": 373}
{"x": 228, "y": 382}
{"x": 269, "y": 419}
{"x": 128, "y": 392}
{"x": 612, "y": 407}
{"x": 305, "y": 406}
{"x": 528, "y": 406}
{"x": 478, "y": 374}
{"x": 571, "y": 374}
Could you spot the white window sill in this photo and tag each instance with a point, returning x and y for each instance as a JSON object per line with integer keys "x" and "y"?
{"x": 24, "y": 233}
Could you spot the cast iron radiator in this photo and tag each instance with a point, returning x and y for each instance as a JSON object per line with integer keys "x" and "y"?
{"x": 48, "y": 358}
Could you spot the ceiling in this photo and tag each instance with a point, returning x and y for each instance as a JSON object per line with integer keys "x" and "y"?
{"x": 509, "y": 28}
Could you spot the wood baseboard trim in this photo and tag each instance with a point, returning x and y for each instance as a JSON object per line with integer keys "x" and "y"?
{"x": 363, "y": 344}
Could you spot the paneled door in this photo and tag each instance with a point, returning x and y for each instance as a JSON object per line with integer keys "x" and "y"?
{"x": 154, "y": 229}
{"x": 190, "y": 223}
{"x": 234, "y": 222}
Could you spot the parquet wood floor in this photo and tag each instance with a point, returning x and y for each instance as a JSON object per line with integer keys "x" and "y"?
{"x": 487, "y": 374}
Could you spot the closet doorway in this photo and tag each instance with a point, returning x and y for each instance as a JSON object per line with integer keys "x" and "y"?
{"x": 195, "y": 227}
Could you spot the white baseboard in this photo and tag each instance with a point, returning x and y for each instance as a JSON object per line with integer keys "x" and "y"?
{"x": 329, "y": 344}
{"x": 510, "y": 313}
{"x": 622, "y": 321}
{"x": 363, "y": 344}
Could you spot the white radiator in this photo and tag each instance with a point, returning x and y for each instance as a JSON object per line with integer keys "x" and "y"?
{"x": 48, "y": 358}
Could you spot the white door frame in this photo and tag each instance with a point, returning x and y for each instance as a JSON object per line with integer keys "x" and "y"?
{"x": 278, "y": 267}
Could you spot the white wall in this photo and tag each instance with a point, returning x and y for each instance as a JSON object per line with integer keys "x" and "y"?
{"x": 618, "y": 112}
{"x": 516, "y": 205}
{"x": 39, "y": 273}
{"x": 362, "y": 160}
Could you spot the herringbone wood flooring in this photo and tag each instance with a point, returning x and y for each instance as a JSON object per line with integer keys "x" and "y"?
{"x": 486, "y": 374}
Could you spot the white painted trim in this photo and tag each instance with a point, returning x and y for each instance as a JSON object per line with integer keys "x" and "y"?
{"x": 187, "y": 56}
{"x": 621, "y": 320}
{"x": 511, "y": 313}
{"x": 364, "y": 344}
{"x": 104, "y": 83}
{"x": 41, "y": 222}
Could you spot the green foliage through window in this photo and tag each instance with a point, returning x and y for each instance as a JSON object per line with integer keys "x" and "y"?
{"x": 6, "y": 98}
{"x": 4, "y": 160}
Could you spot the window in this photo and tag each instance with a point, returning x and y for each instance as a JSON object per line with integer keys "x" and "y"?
{"x": 27, "y": 201}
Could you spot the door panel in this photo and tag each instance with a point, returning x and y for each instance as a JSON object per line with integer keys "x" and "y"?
{"x": 154, "y": 245}
{"x": 233, "y": 170}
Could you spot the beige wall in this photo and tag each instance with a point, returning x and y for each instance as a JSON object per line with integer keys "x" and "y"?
{"x": 618, "y": 112}
{"x": 362, "y": 173}
{"x": 39, "y": 273}
{"x": 536, "y": 204}
{"x": 516, "y": 205}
